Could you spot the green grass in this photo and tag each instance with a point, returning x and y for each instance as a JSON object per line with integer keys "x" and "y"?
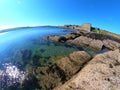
{"x": 105, "y": 32}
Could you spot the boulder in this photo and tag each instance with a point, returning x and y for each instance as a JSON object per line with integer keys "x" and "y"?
{"x": 81, "y": 41}
{"x": 73, "y": 64}
{"x": 58, "y": 38}
{"x": 96, "y": 45}
{"x": 54, "y": 38}
{"x": 79, "y": 58}
{"x": 101, "y": 73}
{"x": 70, "y": 36}
{"x": 110, "y": 44}
{"x": 86, "y": 42}
{"x": 93, "y": 41}
{"x": 63, "y": 38}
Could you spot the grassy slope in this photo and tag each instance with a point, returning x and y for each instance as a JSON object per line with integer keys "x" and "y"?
{"x": 105, "y": 32}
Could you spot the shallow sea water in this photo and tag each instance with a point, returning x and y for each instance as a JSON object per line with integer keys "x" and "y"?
{"x": 25, "y": 48}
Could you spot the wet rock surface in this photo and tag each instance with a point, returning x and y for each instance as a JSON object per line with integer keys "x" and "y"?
{"x": 101, "y": 73}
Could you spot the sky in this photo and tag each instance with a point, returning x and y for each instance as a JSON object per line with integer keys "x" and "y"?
{"x": 104, "y": 14}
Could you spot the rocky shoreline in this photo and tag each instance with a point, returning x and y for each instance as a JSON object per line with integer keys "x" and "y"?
{"x": 80, "y": 71}
{"x": 89, "y": 40}
{"x": 87, "y": 59}
{"x": 101, "y": 73}
{"x": 62, "y": 70}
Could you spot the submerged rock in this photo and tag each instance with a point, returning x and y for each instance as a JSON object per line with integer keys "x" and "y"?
{"x": 62, "y": 70}
{"x": 101, "y": 73}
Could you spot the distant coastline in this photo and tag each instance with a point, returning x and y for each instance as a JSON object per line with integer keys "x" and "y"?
{"x": 76, "y": 27}
{"x": 16, "y": 28}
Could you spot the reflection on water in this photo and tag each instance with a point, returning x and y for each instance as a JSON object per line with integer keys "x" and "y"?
{"x": 10, "y": 75}
{"x": 24, "y": 51}
{"x": 21, "y": 50}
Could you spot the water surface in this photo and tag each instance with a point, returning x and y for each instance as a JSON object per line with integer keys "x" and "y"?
{"x": 28, "y": 47}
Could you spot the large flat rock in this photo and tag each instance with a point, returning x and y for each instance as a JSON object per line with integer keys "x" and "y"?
{"x": 90, "y": 43}
{"x": 62, "y": 70}
{"x": 110, "y": 44}
{"x": 101, "y": 73}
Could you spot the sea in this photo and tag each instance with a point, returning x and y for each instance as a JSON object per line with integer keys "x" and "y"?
{"x": 23, "y": 48}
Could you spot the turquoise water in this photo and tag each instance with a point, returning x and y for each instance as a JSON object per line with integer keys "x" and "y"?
{"x": 25, "y": 38}
{"x": 28, "y": 47}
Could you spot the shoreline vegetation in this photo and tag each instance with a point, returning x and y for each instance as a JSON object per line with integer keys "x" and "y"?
{"x": 80, "y": 70}
{"x": 17, "y": 28}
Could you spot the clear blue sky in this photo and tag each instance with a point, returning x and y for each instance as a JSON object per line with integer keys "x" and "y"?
{"x": 101, "y": 13}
